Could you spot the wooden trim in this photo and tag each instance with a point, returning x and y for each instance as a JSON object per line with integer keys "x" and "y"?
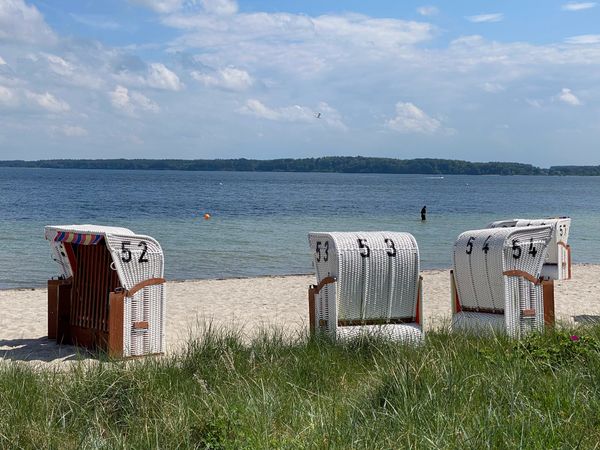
{"x": 327, "y": 280}
{"x": 528, "y": 313}
{"x": 140, "y": 325}
{"x": 567, "y": 247}
{"x": 482, "y": 310}
{"x": 312, "y": 313}
{"x": 141, "y": 285}
{"x": 313, "y": 290}
{"x": 116, "y": 301}
{"x": 522, "y": 274}
{"x": 548, "y": 302}
{"x": 382, "y": 321}
{"x": 454, "y": 294}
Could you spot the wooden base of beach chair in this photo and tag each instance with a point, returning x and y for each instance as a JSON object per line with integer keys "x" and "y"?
{"x": 67, "y": 325}
{"x": 314, "y": 289}
{"x": 547, "y": 298}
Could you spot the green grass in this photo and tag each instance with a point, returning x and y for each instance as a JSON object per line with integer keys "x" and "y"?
{"x": 454, "y": 391}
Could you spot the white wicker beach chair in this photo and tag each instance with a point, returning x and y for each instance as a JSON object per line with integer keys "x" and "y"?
{"x": 367, "y": 282}
{"x": 110, "y": 294}
{"x": 496, "y": 279}
{"x": 557, "y": 265}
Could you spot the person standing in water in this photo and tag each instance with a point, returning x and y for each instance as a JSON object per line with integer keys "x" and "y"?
{"x": 424, "y": 213}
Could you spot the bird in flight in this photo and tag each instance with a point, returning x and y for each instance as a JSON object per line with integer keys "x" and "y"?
{"x": 318, "y": 115}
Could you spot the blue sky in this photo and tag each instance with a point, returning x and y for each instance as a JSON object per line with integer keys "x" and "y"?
{"x": 481, "y": 81}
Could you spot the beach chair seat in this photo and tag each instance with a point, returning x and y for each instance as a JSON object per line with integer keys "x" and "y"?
{"x": 557, "y": 265}
{"x": 110, "y": 293}
{"x": 496, "y": 281}
{"x": 367, "y": 283}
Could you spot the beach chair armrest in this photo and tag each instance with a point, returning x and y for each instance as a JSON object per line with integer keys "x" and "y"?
{"x": 142, "y": 284}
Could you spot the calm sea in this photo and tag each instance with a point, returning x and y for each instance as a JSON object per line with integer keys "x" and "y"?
{"x": 260, "y": 221}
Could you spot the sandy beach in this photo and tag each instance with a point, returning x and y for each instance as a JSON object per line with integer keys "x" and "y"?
{"x": 251, "y": 304}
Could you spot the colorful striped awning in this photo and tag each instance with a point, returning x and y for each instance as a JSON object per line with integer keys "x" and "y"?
{"x": 77, "y": 238}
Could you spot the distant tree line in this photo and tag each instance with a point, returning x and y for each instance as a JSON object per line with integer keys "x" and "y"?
{"x": 341, "y": 164}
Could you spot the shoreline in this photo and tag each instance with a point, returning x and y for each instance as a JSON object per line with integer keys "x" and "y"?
{"x": 252, "y": 277}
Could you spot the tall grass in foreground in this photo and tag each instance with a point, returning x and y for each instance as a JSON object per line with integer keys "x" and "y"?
{"x": 454, "y": 391}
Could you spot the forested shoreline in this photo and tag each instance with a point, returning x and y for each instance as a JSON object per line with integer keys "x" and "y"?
{"x": 335, "y": 164}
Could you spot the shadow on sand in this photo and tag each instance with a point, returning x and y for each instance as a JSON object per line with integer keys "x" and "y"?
{"x": 586, "y": 319}
{"x": 40, "y": 349}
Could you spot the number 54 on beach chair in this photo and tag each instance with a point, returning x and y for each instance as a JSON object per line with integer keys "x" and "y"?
{"x": 110, "y": 294}
{"x": 557, "y": 265}
{"x": 496, "y": 282}
{"x": 367, "y": 282}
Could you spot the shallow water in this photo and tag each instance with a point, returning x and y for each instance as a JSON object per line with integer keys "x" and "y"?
{"x": 260, "y": 221}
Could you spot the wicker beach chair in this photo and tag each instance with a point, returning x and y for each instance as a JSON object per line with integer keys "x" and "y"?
{"x": 110, "y": 293}
{"x": 496, "y": 280}
{"x": 557, "y": 265}
{"x": 367, "y": 282}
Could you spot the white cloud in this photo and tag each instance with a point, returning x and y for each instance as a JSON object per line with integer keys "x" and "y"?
{"x": 584, "y": 39}
{"x": 162, "y": 78}
{"x": 566, "y": 96}
{"x": 578, "y": 6}
{"x": 96, "y": 21}
{"x": 157, "y": 76}
{"x": 486, "y": 18}
{"x": 228, "y": 78}
{"x": 131, "y": 102}
{"x": 221, "y": 7}
{"x": 70, "y": 131}
{"x": 160, "y": 6}
{"x": 428, "y": 10}
{"x": 22, "y": 23}
{"x": 295, "y": 113}
{"x": 48, "y": 102}
{"x": 2, "y": 62}
{"x": 534, "y": 102}
{"x": 289, "y": 29}
{"x": 72, "y": 73}
{"x": 492, "y": 87}
{"x": 7, "y": 96}
{"x": 411, "y": 119}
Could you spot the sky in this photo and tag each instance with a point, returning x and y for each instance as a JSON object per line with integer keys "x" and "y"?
{"x": 480, "y": 81}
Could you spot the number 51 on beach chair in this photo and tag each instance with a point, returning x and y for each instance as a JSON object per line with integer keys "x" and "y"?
{"x": 110, "y": 294}
{"x": 367, "y": 282}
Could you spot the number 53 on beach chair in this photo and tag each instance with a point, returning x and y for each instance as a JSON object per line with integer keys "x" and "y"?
{"x": 496, "y": 281}
{"x": 367, "y": 282}
{"x": 110, "y": 293}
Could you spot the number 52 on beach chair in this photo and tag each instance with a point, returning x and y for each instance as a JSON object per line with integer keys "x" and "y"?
{"x": 367, "y": 282}
{"x": 110, "y": 294}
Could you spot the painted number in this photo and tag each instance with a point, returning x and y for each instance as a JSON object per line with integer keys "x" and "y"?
{"x": 391, "y": 251}
{"x": 486, "y": 247}
{"x": 143, "y": 258}
{"x": 532, "y": 250}
{"x": 126, "y": 255}
{"x": 362, "y": 243}
{"x": 325, "y": 249}
{"x": 470, "y": 245}
{"x": 516, "y": 249}
{"x": 125, "y": 252}
{"x": 562, "y": 229}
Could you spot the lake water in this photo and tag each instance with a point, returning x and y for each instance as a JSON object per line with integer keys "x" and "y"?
{"x": 260, "y": 221}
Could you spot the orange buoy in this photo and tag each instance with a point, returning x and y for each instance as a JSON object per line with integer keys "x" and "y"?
{"x": 206, "y": 216}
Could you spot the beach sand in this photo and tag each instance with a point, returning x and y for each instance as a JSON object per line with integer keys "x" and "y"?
{"x": 251, "y": 304}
